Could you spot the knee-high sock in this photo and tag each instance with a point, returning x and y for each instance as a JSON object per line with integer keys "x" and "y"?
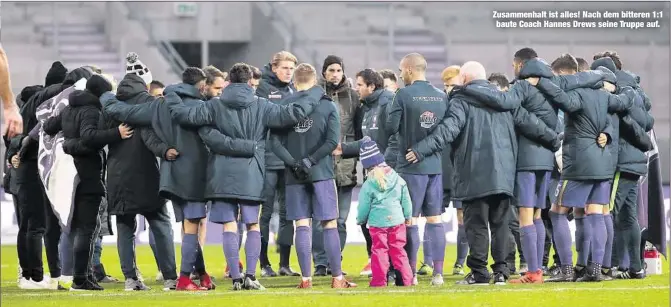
{"x": 190, "y": 249}
{"x": 598, "y": 237}
{"x": 462, "y": 245}
{"x": 303, "y": 248}
{"x": 562, "y": 235}
{"x": 528, "y": 239}
{"x": 252, "y": 250}
{"x": 199, "y": 266}
{"x": 608, "y": 251}
{"x": 437, "y": 239}
{"x": 412, "y": 246}
{"x": 232, "y": 253}
{"x": 540, "y": 241}
{"x": 426, "y": 246}
{"x": 583, "y": 237}
{"x": 332, "y": 248}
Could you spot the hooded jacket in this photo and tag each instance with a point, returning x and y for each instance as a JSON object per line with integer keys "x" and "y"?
{"x": 276, "y": 91}
{"x": 28, "y": 171}
{"x": 633, "y": 142}
{"x": 386, "y": 206}
{"x": 347, "y": 101}
{"x": 238, "y": 114}
{"x": 588, "y": 113}
{"x": 184, "y": 178}
{"x": 132, "y": 176}
{"x": 83, "y": 140}
{"x": 314, "y": 138}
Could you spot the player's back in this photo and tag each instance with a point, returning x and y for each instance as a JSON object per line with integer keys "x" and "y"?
{"x": 583, "y": 159}
{"x": 423, "y": 107}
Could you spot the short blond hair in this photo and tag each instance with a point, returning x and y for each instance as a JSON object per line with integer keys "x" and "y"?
{"x": 450, "y": 72}
{"x": 305, "y": 73}
{"x": 283, "y": 56}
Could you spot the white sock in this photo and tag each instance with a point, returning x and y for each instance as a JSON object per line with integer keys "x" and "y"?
{"x": 339, "y": 277}
{"x": 307, "y": 278}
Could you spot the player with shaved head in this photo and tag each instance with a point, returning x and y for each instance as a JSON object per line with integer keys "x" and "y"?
{"x": 414, "y": 113}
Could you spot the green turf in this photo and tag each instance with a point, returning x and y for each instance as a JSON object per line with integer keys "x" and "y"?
{"x": 653, "y": 291}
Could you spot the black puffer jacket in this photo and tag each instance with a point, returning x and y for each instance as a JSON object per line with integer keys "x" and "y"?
{"x": 83, "y": 140}
{"x": 132, "y": 176}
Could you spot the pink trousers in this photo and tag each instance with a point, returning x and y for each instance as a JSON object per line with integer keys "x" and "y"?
{"x": 389, "y": 243}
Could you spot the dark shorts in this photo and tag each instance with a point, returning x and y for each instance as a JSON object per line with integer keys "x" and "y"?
{"x": 576, "y": 194}
{"x": 531, "y": 188}
{"x": 190, "y": 210}
{"x": 317, "y": 200}
{"x": 426, "y": 194}
{"x": 552, "y": 188}
{"x": 447, "y": 199}
{"x": 226, "y": 211}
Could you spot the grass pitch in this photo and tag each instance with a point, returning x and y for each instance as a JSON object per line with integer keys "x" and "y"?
{"x": 650, "y": 292}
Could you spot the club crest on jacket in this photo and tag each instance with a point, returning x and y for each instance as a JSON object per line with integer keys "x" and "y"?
{"x": 427, "y": 119}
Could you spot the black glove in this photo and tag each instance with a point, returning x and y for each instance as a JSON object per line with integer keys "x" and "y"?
{"x": 300, "y": 171}
{"x": 558, "y": 142}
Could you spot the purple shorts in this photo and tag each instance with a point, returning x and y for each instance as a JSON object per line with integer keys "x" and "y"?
{"x": 457, "y": 204}
{"x": 317, "y": 200}
{"x": 577, "y": 194}
{"x": 189, "y": 210}
{"x": 531, "y": 189}
{"x": 426, "y": 194}
{"x": 226, "y": 211}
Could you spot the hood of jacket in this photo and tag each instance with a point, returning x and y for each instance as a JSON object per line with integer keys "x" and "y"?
{"x": 374, "y": 97}
{"x": 625, "y": 78}
{"x": 130, "y": 86}
{"x": 269, "y": 76}
{"x": 238, "y": 96}
{"x": 83, "y": 98}
{"x": 76, "y": 75}
{"x": 183, "y": 90}
{"x": 390, "y": 178}
{"x": 536, "y": 68}
{"x": 605, "y": 62}
{"x": 609, "y": 76}
{"x": 331, "y": 88}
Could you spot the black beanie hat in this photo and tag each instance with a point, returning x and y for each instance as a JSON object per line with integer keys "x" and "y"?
{"x": 56, "y": 74}
{"x": 98, "y": 85}
{"x": 332, "y": 59}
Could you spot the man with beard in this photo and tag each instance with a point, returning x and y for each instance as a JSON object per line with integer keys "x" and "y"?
{"x": 234, "y": 188}
{"x": 215, "y": 82}
{"x": 32, "y": 195}
{"x": 339, "y": 88}
{"x": 373, "y": 114}
{"x": 84, "y": 142}
{"x": 276, "y": 86}
{"x": 133, "y": 182}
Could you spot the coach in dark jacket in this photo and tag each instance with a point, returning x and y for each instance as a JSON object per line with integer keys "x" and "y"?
{"x": 133, "y": 183}
{"x": 487, "y": 128}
